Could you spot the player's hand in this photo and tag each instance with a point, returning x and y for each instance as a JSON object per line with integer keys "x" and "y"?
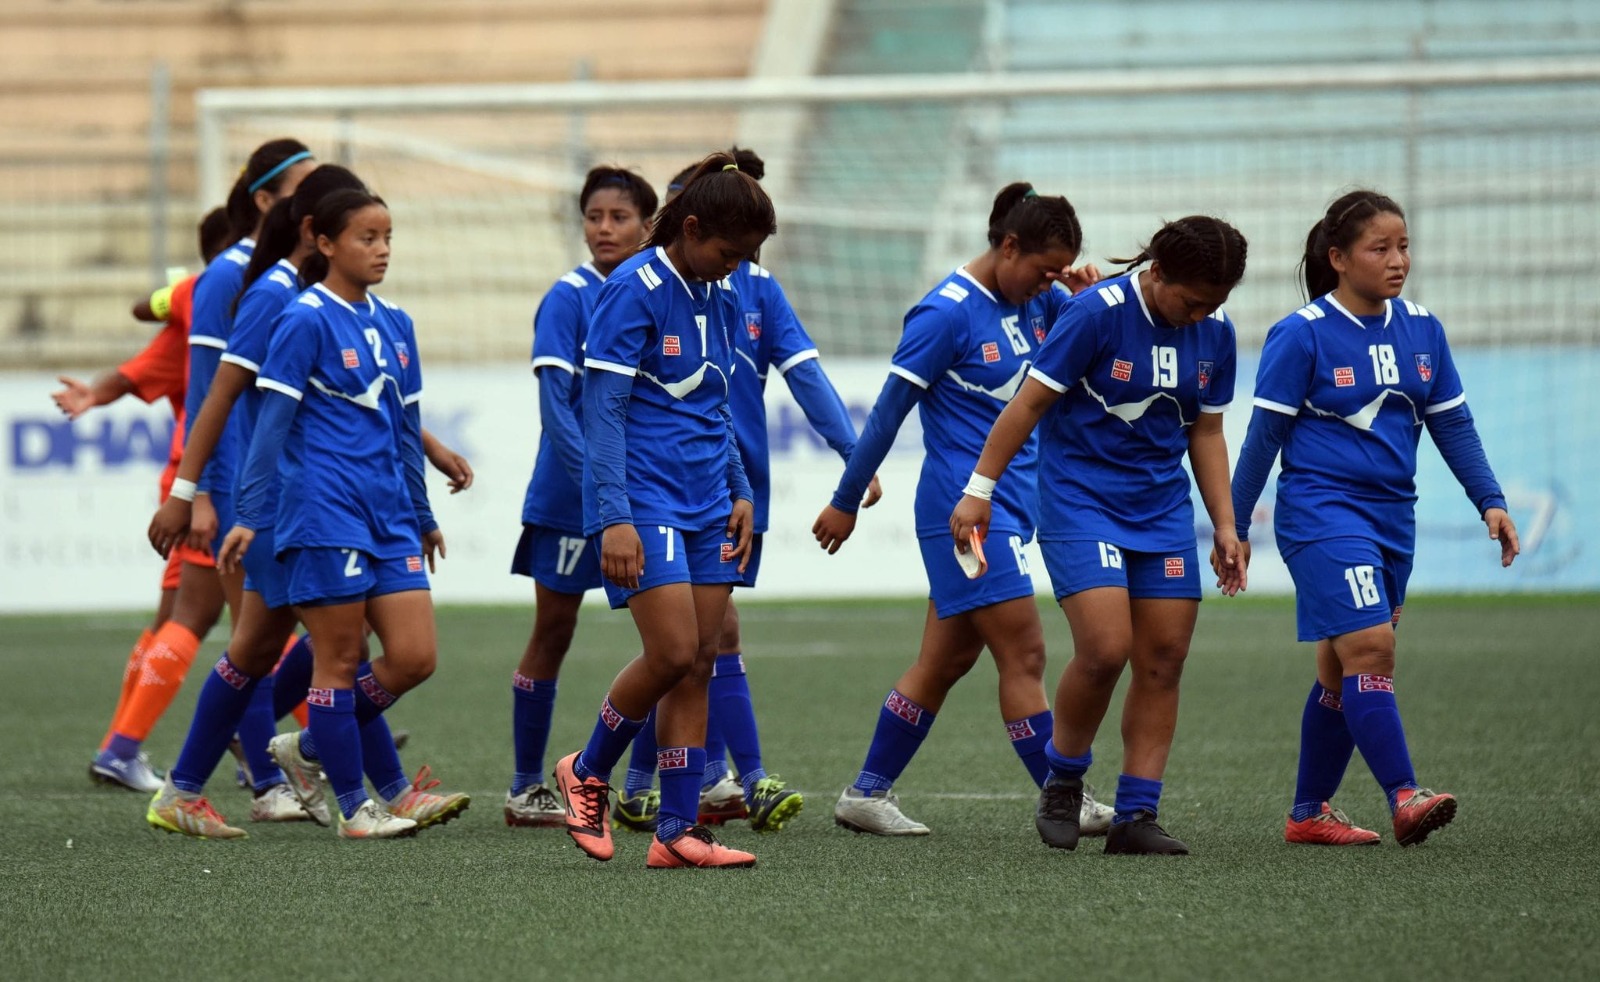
{"x": 169, "y": 524}
{"x": 741, "y": 525}
{"x": 1229, "y": 559}
{"x": 234, "y": 547}
{"x": 433, "y": 543}
{"x": 74, "y": 400}
{"x": 971, "y": 514}
{"x": 452, "y": 465}
{"x": 832, "y": 527}
{"x": 203, "y": 524}
{"x": 1081, "y": 278}
{"x": 1504, "y": 531}
{"x": 622, "y": 555}
{"x": 874, "y": 493}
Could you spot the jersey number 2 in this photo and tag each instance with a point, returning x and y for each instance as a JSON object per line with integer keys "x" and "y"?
{"x": 376, "y": 340}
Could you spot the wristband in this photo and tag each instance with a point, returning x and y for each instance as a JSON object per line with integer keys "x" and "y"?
{"x": 183, "y": 490}
{"x": 979, "y": 486}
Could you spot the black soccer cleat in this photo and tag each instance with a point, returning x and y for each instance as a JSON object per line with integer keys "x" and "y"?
{"x": 1057, "y": 816}
{"x": 1142, "y": 836}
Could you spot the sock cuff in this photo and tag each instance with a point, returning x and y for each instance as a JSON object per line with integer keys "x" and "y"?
{"x": 331, "y": 700}
{"x": 1068, "y": 766}
{"x": 672, "y": 760}
{"x": 1368, "y": 683}
{"x": 1326, "y": 697}
{"x": 729, "y": 664}
{"x": 1030, "y": 727}
{"x": 904, "y": 710}
{"x": 372, "y": 688}
{"x": 614, "y": 720}
{"x": 175, "y": 635}
{"x": 230, "y": 673}
{"x": 526, "y": 683}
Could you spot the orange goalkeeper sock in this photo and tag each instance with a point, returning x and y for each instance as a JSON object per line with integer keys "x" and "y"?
{"x": 166, "y": 661}
{"x": 130, "y": 676}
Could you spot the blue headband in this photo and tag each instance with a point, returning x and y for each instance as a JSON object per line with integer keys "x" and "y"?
{"x": 287, "y": 163}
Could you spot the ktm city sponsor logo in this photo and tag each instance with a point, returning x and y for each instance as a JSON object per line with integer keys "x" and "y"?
{"x": 1020, "y": 730}
{"x": 375, "y": 691}
{"x": 610, "y": 716}
{"x": 231, "y": 675}
{"x": 413, "y": 564}
{"x": 320, "y": 697}
{"x": 521, "y": 681}
{"x": 1174, "y": 565}
{"x": 727, "y": 552}
{"x": 1395, "y": 617}
{"x": 672, "y": 758}
{"x": 903, "y": 708}
{"x": 670, "y": 346}
{"x": 1374, "y": 683}
{"x": 1121, "y": 370}
{"x": 351, "y": 358}
{"x": 1344, "y": 377}
{"x": 1331, "y": 700}
{"x": 991, "y": 351}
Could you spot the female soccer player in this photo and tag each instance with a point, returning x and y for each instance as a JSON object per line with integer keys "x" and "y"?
{"x": 1345, "y": 387}
{"x": 964, "y": 351}
{"x": 769, "y": 336}
{"x": 615, "y": 205}
{"x": 1134, "y": 374}
{"x": 664, "y": 484}
{"x": 157, "y": 371}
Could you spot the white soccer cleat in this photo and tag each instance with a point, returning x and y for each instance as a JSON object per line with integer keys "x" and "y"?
{"x": 133, "y": 773}
{"x": 1094, "y": 818}
{"x": 277, "y": 804}
{"x": 304, "y": 776}
{"x": 536, "y": 807}
{"x": 722, "y": 802}
{"x": 372, "y": 822}
{"x": 875, "y": 814}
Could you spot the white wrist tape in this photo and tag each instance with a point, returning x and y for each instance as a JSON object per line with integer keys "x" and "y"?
{"x": 979, "y": 486}
{"x": 183, "y": 489}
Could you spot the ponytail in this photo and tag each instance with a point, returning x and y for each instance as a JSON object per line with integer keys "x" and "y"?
{"x": 727, "y": 202}
{"x": 1038, "y": 221}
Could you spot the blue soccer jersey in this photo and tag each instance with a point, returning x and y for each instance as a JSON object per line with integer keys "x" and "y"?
{"x": 768, "y": 334}
{"x": 353, "y": 368}
{"x": 1360, "y": 389}
{"x": 259, "y": 308}
{"x": 969, "y": 351}
{"x": 672, "y": 338}
{"x": 554, "y": 498}
{"x": 1112, "y": 446}
{"x": 210, "y": 325}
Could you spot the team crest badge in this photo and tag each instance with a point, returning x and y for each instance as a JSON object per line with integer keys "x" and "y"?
{"x": 752, "y": 324}
{"x": 1425, "y": 367}
{"x": 404, "y": 351}
{"x": 1038, "y": 328}
{"x": 1205, "y": 374}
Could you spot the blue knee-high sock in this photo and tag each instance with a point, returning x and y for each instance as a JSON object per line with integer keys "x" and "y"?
{"x": 902, "y": 726}
{"x": 1374, "y": 720}
{"x": 680, "y": 769}
{"x": 1325, "y": 749}
{"x": 1029, "y": 736}
{"x": 729, "y": 694}
{"x": 256, "y": 727}
{"x": 338, "y": 737}
{"x": 642, "y": 762}
{"x": 223, "y": 700}
{"x": 1067, "y": 768}
{"x": 612, "y": 734}
{"x": 1135, "y": 795}
{"x": 372, "y": 699}
{"x": 533, "y": 709}
{"x": 380, "y": 761}
{"x": 292, "y": 678}
{"x": 716, "y": 749}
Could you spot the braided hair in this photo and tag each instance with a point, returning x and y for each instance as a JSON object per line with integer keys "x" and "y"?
{"x": 1195, "y": 249}
{"x": 1339, "y": 228}
{"x": 1038, "y": 221}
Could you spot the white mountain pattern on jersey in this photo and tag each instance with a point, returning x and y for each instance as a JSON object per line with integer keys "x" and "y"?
{"x": 366, "y": 400}
{"x": 1128, "y": 412}
{"x": 1362, "y": 419}
{"x": 678, "y": 390}
{"x": 1002, "y": 394}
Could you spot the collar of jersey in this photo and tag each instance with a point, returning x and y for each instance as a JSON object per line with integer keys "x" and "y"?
{"x": 595, "y": 272}
{"x": 1388, "y": 311}
{"x": 961, "y": 271}
{"x": 1138, "y": 292}
{"x": 286, "y": 264}
{"x": 661, "y": 254}
{"x": 372, "y": 308}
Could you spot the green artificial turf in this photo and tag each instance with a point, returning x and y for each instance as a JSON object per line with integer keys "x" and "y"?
{"x": 1499, "y": 697}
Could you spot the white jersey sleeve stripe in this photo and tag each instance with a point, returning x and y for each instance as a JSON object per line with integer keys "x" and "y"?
{"x": 610, "y": 366}
{"x": 207, "y": 341}
{"x": 550, "y": 361}
{"x": 244, "y": 363}
{"x": 794, "y": 360}
{"x": 1216, "y": 409}
{"x": 1440, "y": 407}
{"x": 911, "y": 377}
{"x": 411, "y": 399}
{"x": 272, "y": 386}
{"x": 1277, "y": 407}
{"x": 1046, "y": 380}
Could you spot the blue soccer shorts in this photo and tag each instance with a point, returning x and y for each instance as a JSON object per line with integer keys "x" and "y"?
{"x": 700, "y": 557}
{"x": 1344, "y": 585}
{"x": 1083, "y": 564}
{"x": 263, "y": 573}
{"x": 950, "y": 590}
{"x": 323, "y": 577}
{"x": 557, "y": 559}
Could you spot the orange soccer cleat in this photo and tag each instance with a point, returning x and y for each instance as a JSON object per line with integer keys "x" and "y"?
{"x": 1418, "y": 812}
{"x": 588, "y": 801}
{"x": 696, "y": 848}
{"x": 1331, "y": 827}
